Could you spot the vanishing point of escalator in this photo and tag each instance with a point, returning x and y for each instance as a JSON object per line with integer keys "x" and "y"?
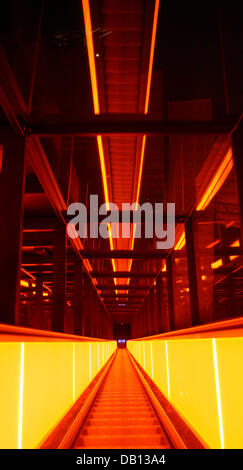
{"x": 122, "y": 415}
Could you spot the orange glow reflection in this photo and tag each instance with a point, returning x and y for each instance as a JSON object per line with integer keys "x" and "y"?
{"x": 217, "y": 181}
{"x": 181, "y": 242}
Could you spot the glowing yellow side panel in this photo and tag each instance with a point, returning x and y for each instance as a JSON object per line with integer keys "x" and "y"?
{"x": 94, "y": 359}
{"x": 82, "y": 367}
{"x": 40, "y": 382}
{"x": 184, "y": 370}
{"x": 192, "y": 386}
{"x": 10, "y": 354}
{"x": 230, "y": 364}
{"x": 48, "y": 388}
{"x": 159, "y": 366}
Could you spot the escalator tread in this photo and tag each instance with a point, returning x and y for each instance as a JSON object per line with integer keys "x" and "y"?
{"x": 122, "y": 415}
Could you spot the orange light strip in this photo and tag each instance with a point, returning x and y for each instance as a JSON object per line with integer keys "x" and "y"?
{"x": 103, "y": 170}
{"x": 217, "y": 181}
{"x": 26, "y": 284}
{"x": 28, "y": 274}
{"x": 140, "y": 169}
{"x": 112, "y": 248}
{"x": 148, "y": 88}
{"x": 211, "y": 245}
{"x": 151, "y": 58}
{"x": 230, "y": 224}
{"x": 93, "y": 77}
{"x": 236, "y": 243}
{"x": 91, "y": 55}
{"x": 181, "y": 242}
{"x": 46, "y": 287}
{"x": 106, "y": 192}
{"x": 217, "y": 264}
{"x": 79, "y": 247}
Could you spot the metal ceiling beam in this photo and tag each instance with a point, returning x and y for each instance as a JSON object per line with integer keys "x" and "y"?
{"x": 123, "y": 307}
{"x": 157, "y": 254}
{"x": 126, "y": 305}
{"x": 39, "y": 224}
{"x": 125, "y": 254}
{"x": 130, "y": 215}
{"x": 122, "y": 287}
{"x": 132, "y": 124}
{"x": 121, "y": 274}
{"x": 123, "y": 296}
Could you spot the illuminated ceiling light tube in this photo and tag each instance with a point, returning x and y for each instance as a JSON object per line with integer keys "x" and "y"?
{"x": 112, "y": 248}
{"x": 217, "y": 181}
{"x": 24, "y": 283}
{"x": 93, "y": 76}
{"x": 106, "y": 193}
{"x": 140, "y": 169}
{"x": 137, "y": 199}
{"x": 94, "y": 86}
{"x": 91, "y": 55}
{"x": 103, "y": 170}
{"x": 151, "y": 57}
{"x": 149, "y": 79}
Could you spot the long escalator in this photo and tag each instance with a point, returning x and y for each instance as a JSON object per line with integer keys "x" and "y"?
{"x": 122, "y": 415}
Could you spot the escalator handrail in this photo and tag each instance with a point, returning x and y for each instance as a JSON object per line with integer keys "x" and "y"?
{"x": 170, "y": 430}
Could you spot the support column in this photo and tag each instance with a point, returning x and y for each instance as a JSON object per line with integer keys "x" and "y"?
{"x": 12, "y": 184}
{"x": 154, "y": 312}
{"x": 91, "y": 312}
{"x": 37, "y": 316}
{"x": 59, "y": 278}
{"x": 86, "y": 307}
{"x": 237, "y": 147}
{"x": 192, "y": 272}
{"x": 77, "y": 303}
{"x": 170, "y": 267}
{"x": 149, "y": 313}
{"x": 163, "y": 314}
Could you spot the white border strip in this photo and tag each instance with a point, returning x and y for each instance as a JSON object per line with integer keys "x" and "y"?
{"x": 167, "y": 369}
{"x": 21, "y": 393}
{"x": 216, "y": 372}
